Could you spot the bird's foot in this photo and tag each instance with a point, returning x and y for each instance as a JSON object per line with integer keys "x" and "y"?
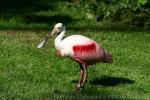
{"x": 79, "y": 88}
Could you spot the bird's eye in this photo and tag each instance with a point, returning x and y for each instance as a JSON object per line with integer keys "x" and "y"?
{"x": 59, "y": 27}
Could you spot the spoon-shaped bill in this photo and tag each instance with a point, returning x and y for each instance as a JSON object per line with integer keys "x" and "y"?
{"x": 41, "y": 45}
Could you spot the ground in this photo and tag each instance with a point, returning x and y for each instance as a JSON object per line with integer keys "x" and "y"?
{"x": 28, "y": 73}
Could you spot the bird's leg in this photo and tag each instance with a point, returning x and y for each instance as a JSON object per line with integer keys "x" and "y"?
{"x": 84, "y": 74}
{"x": 81, "y": 77}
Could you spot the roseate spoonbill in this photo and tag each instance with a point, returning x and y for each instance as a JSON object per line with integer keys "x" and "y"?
{"x": 81, "y": 49}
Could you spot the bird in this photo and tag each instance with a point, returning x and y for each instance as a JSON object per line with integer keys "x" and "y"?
{"x": 79, "y": 48}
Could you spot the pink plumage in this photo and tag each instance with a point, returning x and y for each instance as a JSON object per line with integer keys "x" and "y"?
{"x": 90, "y": 53}
{"x": 84, "y": 49}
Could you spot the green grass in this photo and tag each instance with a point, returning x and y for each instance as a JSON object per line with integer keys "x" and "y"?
{"x": 28, "y": 73}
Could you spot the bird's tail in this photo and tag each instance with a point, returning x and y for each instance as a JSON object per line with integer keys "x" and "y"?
{"x": 109, "y": 58}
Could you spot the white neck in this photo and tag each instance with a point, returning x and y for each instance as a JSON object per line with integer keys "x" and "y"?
{"x": 59, "y": 38}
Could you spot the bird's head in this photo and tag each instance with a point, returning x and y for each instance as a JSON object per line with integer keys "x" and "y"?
{"x": 58, "y": 28}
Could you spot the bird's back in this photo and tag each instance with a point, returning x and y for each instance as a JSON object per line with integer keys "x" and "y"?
{"x": 77, "y": 39}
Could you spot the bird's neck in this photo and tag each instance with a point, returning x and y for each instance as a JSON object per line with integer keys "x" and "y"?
{"x": 59, "y": 38}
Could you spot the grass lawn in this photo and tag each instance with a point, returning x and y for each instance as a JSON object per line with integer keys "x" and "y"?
{"x": 28, "y": 73}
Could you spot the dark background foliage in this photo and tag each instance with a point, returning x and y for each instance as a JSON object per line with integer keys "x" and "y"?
{"x": 41, "y": 14}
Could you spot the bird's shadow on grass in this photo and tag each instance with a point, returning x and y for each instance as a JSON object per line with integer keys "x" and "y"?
{"x": 95, "y": 93}
{"x": 111, "y": 81}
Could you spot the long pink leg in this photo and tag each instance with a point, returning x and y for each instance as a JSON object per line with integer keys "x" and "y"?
{"x": 83, "y": 72}
{"x": 81, "y": 78}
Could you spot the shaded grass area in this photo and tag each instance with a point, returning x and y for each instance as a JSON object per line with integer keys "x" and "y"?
{"x": 32, "y": 14}
{"x": 29, "y": 73}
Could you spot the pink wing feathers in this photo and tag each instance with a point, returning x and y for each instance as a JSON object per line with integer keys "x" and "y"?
{"x": 88, "y": 52}
{"x": 79, "y": 49}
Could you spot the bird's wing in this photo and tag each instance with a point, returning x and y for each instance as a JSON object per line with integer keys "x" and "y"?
{"x": 88, "y": 51}
{"x": 78, "y": 45}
